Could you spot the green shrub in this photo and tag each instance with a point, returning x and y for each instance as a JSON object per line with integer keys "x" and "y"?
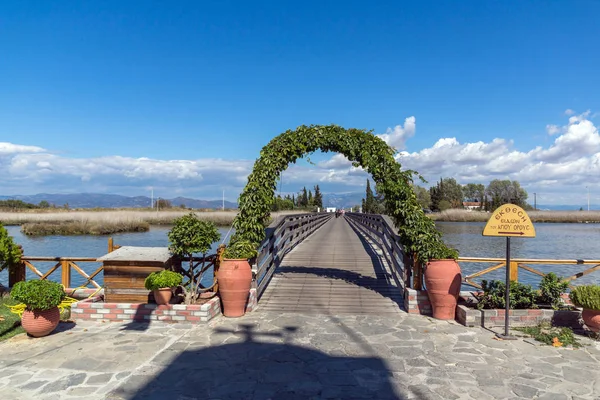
{"x": 38, "y": 294}
{"x": 587, "y": 296}
{"x": 162, "y": 279}
{"x": 494, "y": 292}
{"x": 10, "y": 253}
{"x": 240, "y": 249}
{"x": 551, "y": 288}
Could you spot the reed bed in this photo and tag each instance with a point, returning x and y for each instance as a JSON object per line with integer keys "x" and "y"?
{"x": 109, "y": 221}
{"x": 82, "y": 228}
{"x": 456, "y": 215}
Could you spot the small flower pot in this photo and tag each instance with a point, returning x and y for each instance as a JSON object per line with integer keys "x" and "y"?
{"x": 163, "y": 295}
{"x": 591, "y": 318}
{"x": 40, "y": 323}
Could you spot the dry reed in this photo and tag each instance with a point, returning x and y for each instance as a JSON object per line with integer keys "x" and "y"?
{"x": 110, "y": 221}
{"x": 456, "y": 215}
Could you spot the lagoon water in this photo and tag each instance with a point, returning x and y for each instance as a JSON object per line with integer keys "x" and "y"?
{"x": 553, "y": 241}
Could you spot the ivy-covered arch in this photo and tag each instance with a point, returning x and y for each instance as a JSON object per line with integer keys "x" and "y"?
{"x": 362, "y": 148}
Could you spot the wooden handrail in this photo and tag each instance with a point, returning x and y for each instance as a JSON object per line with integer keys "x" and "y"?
{"x": 382, "y": 232}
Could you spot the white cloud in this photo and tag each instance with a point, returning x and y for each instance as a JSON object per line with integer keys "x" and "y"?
{"x": 570, "y": 162}
{"x": 397, "y": 136}
{"x": 568, "y": 112}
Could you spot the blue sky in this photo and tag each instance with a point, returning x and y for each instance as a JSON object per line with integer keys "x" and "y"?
{"x": 120, "y": 96}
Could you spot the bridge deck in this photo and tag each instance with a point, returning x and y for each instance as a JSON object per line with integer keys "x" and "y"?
{"x": 334, "y": 271}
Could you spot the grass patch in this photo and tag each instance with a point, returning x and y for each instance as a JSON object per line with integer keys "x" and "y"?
{"x": 83, "y": 228}
{"x": 10, "y": 324}
{"x": 553, "y": 336}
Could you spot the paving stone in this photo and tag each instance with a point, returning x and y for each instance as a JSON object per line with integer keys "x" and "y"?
{"x": 64, "y": 383}
{"x": 99, "y": 379}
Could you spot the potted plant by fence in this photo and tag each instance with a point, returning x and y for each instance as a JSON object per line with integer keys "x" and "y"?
{"x": 41, "y": 298}
{"x": 588, "y": 298}
{"x": 191, "y": 235}
{"x": 235, "y": 277}
{"x": 162, "y": 284}
{"x": 442, "y": 277}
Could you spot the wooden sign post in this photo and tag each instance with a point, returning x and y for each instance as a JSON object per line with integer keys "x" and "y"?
{"x": 509, "y": 220}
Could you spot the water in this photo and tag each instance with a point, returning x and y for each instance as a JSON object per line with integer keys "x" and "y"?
{"x": 89, "y": 246}
{"x": 552, "y": 241}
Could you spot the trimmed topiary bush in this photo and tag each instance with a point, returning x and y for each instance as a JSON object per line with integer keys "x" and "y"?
{"x": 162, "y": 279}
{"x": 38, "y": 295}
{"x": 587, "y": 296}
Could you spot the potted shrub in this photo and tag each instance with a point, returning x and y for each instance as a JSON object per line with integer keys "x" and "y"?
{"x": 442, "y": 276}
{"x": 588, "y": 298}
{"x": 235, "y": 277}
{"x": 191, "y": 235}
{"x": 162, "y": 284}
{"x": 41, "y": 298}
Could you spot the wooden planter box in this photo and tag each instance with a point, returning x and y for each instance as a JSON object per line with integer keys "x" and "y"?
{"x": 126, "y": 269}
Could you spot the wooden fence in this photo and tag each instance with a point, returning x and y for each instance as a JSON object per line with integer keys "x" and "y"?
{"x": 281, "y": 236}
{"x": 524, "y": 264}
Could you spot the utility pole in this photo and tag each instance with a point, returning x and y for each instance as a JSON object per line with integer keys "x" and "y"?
{"x": 588, "y": 190}
{"x": 223, "y": 200}
{"x": 535, "y": 201}
{"x": 152, "y": 199}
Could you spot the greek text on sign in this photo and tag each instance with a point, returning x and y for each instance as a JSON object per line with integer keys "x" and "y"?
{"x": 509, "y": 220}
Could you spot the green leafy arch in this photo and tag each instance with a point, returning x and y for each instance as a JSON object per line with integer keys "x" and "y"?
{"x": 417, "y": 231}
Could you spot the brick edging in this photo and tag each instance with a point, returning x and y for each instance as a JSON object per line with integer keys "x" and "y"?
{"x": 491, "y": 318}
{"x": 417, "y": 302}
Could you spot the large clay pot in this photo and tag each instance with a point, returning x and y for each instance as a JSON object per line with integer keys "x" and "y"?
{"x": 235, "y": 278}
{"x": 591, "y": 319}
{"x": 443, "y": 280}
{"x": 162, "y": 295}
{"x": 40, "y": 323}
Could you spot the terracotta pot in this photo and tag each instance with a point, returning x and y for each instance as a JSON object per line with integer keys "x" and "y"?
{"x": 443, "y": 280}
{"x": 40, "y": 323}
{"x": 235, "y": 278}
{"x": 162, "y": 295}
{"x": 591, "y": 319}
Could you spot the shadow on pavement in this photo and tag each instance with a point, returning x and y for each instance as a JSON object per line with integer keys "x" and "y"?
{"x": 272, "y": 369}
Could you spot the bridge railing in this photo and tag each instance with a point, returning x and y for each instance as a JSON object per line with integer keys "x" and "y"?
{"x": 282, "y": 236}
{"x": 381, "y": 231}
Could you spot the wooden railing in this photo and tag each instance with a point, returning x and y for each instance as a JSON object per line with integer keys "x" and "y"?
{"x": 282, "y": 236}
{"x": 381, "y": 231}
{"x": 524, "y": 264}
{"x": 63, "y": 265}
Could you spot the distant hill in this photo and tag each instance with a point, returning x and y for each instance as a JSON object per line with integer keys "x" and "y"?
{"x": 93, "y": 200}
{"x": 342, "y": 200}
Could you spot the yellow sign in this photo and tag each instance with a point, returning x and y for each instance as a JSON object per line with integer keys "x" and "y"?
{"x": 509, "y": 220}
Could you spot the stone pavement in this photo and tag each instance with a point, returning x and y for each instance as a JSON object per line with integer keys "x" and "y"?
{"x": 290, "y": 356}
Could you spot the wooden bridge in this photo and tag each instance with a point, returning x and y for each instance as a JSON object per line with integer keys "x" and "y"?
{"x": 334, "y": 266}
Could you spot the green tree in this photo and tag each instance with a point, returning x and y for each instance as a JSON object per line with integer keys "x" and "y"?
{"x": 310, "y": 199}
{"x": 423, "y": 196}
{"x": 449, "y": 190}
{"x": 318, "y": 199}
{"x": 369, "y": 206}
{"x": 10, "y": 252}
{"x": 191, "y": 235}
{"x": 44, "y": 204}
{"x": 505, "y": 191}
{"x": 163, "y": 203}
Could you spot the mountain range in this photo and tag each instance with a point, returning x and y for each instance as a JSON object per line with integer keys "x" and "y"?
{"x": 93, "y": 200}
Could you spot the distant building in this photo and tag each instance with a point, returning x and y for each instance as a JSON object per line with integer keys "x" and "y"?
{"x": 331, "y": 209}
{"x": 472, "y": 205}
